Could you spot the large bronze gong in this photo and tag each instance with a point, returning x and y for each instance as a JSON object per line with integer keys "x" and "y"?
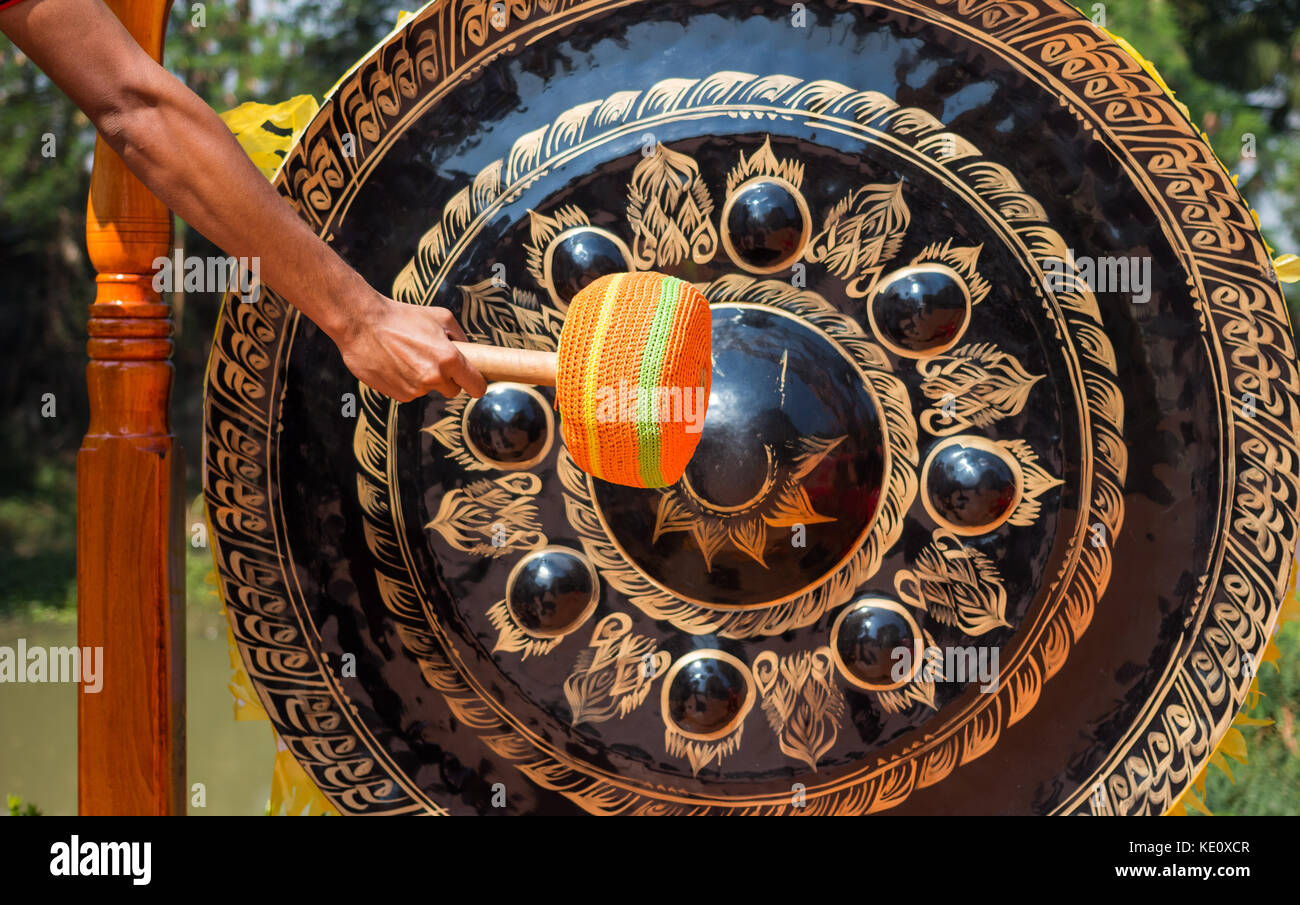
{"x": 1002, "y": 378}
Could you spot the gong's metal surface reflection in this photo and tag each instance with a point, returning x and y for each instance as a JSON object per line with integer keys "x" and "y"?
{"x": 510, "y": 426}
{"x": 707, "y": 694}
{"x": 971, "y": 485}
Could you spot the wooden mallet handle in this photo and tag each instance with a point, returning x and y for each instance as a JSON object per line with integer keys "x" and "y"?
{"x": 529, "y": 366}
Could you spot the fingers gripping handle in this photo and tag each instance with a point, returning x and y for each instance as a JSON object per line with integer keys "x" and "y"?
{"x": 529, "y": 366}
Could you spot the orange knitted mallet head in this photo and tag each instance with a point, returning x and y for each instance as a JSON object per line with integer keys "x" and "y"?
{"x": 633, "y": 377}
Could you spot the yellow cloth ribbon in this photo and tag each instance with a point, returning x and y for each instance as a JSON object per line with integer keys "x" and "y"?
{"x": 267, "y": 131}
{"x": 293, "y": 794}
{"x": 1288, "y": 268}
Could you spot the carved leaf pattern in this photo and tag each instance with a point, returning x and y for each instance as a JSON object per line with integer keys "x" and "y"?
{"x": 764, "y": 163}
{"x": 972, "y": 386}
{"x": 801, "y": 700}
{"x": 492, "y": 517}
{"x": 511, "y": 636}
{"x": 861, "y": 234}
{"x": 1037, "y": 481}
{"x": 964, "y": 260}
{"x": 505, "y": 316}
{"x": 956, "y": 584}
{"x": 613, "y": 675}
{"x": 670, "y": 211}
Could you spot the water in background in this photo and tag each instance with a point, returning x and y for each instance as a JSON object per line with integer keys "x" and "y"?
{"x": 38, "y": 727}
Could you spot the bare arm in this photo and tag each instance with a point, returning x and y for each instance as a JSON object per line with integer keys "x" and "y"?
{"x": 184, "y": 153}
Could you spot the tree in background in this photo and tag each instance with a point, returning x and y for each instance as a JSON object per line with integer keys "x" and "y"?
{"x": 228, "y": 52}
{"x": 266, "y": 52}
{"x": 44, "y": 176}
{"x": 1236, "y": 65}
{"x": 1250, "y": 50}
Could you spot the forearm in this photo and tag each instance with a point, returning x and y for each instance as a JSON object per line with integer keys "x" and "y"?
{"x": 185, "y": 154}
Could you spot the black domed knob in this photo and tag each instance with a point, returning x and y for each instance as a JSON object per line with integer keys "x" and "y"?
{"x": 970, "y": 485}
{"x": 509, "y": 426}
{"x": 873, "y": 642}
{"x": 706, "y": 694}
{"x": 919, "y": 311}
{"x": 765, "y": 225}
{"x": 551, "y": 592}
{"x": 580, "y": 256}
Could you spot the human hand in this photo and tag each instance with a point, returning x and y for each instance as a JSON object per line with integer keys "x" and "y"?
{"x": 404, "y": 351}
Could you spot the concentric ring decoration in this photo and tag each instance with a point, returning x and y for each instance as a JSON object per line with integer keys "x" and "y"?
{"x": 937, "y": 426}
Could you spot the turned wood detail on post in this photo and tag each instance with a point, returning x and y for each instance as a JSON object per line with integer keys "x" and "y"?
{"x": 130, "y": 559}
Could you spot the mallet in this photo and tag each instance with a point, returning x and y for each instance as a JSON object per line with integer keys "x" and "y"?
{"x": 634, "y": 358}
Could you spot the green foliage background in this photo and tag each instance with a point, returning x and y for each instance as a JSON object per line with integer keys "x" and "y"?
{"x": 1234, "y": 63}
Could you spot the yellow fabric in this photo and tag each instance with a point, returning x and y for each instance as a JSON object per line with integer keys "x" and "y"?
{"x": 247, "y": 706}
{"x": 267, "y": 148}
{"x": 293, "y": 794}
{"x": 1288, "y": 268}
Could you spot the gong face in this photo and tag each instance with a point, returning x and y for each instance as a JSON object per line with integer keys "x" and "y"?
{"x": 981, "y": 518}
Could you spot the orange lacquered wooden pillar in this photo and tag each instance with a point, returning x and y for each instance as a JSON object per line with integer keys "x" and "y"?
{"x": 130, "y": 560}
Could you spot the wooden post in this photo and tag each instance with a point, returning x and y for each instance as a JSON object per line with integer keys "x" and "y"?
{"x": 130, "y": 557}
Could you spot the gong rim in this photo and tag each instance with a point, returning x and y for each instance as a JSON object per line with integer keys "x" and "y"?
{"x": 285, "y": 659}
